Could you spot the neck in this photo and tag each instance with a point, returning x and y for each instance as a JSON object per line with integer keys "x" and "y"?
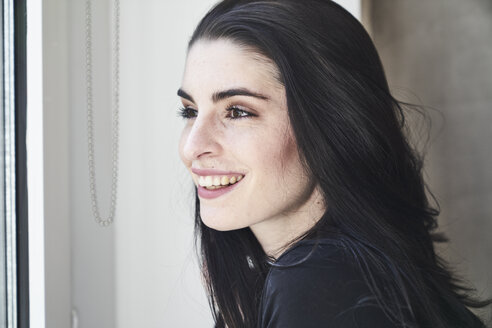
{"x": 275, "y": 235}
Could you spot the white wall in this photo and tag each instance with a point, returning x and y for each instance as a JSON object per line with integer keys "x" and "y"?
{"x": 353, "y": 6}
{"x": 141, "y": 272}
{"x": 157, "y": 282}
{"x": 93, "y": 247}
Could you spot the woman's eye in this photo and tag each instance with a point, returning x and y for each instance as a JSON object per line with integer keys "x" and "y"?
{"x": 237, "y": 113}
{"x": 187, "y": 112}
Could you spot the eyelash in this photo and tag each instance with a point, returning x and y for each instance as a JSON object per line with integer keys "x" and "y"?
{"x": 189, "y": 113}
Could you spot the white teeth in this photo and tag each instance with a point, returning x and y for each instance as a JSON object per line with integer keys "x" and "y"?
{"x": 213, "y": 187}
{"x": 212, "y": 182}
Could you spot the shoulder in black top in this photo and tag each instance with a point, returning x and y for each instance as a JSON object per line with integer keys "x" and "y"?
{"x": 324, "y": 290}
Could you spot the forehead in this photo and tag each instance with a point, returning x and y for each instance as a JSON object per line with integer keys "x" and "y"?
{"x": 219, "y": 64}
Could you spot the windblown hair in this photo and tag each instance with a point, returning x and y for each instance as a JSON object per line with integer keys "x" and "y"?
{"x": 350, "y": 133}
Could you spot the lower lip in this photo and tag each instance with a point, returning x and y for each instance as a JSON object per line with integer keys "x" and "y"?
{"x": 210, "y": 194}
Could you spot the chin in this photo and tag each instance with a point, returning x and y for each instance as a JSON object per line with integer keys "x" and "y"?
{"x": 221, "y": 224}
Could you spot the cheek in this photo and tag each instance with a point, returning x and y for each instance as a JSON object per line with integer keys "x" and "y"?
{"x": 289, "y": 184}
{"x": 276, "y": 167}
{"x": 289, "y": 152}
{"x": 283, "y": 158}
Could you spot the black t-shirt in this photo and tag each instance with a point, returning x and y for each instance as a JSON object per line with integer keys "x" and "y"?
{"x": 324, "y": 290}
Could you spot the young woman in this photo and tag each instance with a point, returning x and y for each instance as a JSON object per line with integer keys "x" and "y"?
{"x": 311, "y": 210}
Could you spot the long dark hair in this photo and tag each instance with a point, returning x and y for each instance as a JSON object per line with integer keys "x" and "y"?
{"x": 350, "y": 135}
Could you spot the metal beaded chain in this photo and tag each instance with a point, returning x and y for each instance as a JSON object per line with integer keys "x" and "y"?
{"x": 90, "y": 119}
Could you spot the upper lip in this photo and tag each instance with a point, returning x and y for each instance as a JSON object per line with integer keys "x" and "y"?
{"x": 208, "y": 172}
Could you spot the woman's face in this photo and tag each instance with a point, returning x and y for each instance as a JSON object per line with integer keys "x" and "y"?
{"x": 237, "y": 142}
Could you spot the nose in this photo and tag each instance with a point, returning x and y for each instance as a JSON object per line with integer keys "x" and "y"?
{"x": 200, "y": 139}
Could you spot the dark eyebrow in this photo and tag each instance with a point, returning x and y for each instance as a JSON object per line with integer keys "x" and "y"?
{"x": 184, "y": 95}
{"x": 220, "y": 95}
{"x": 217, "y": 96}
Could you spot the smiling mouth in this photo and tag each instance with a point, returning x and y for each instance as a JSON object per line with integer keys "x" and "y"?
{"x": 217, "y": 182}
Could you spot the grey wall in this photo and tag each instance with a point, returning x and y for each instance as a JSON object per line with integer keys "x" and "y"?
{"x": 441, "y": 52}
{"x": 57, "y": 251}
